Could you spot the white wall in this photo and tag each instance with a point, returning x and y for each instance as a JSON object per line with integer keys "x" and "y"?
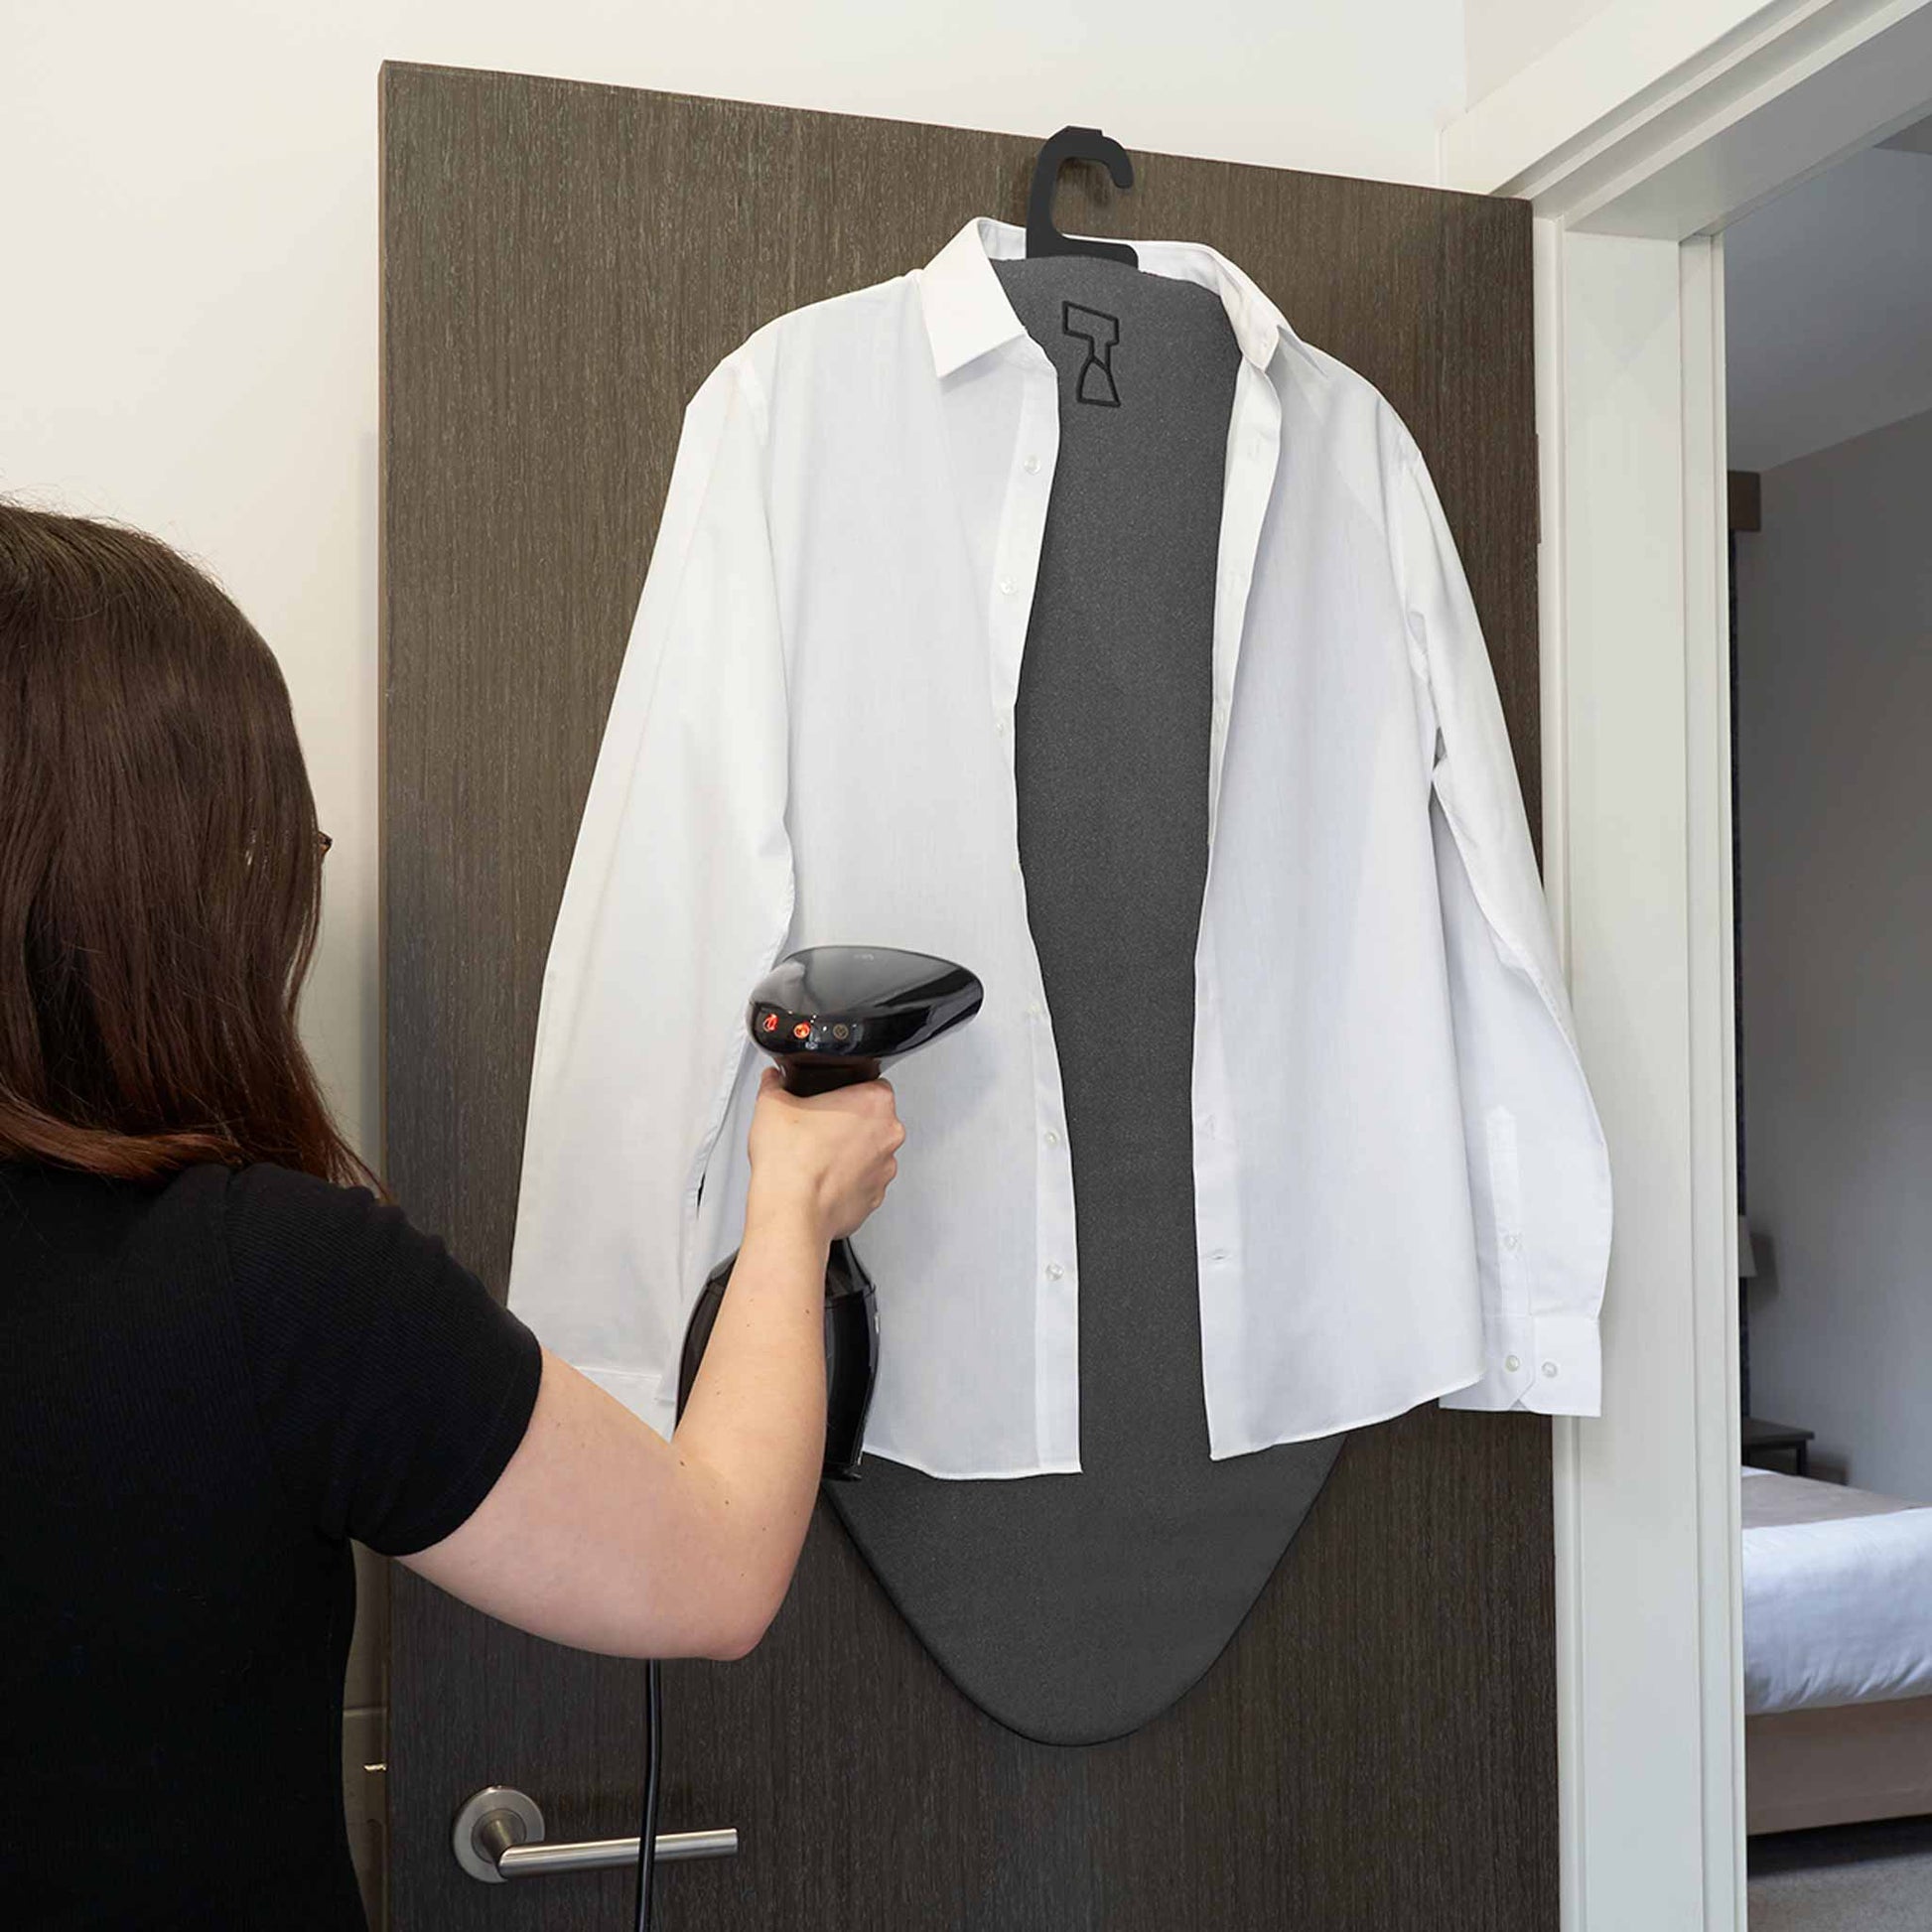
{"x": 1834, "y": 691}
{"x": 1502, "y": 37}
{"x": 190, "y": 323}
{"x": 189, "y": 320}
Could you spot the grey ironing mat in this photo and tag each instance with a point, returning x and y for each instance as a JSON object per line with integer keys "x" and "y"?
{"x": 1075, "y": 1608}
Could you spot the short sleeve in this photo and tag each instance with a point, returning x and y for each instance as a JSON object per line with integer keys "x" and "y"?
{"x": 392, "y": 1389}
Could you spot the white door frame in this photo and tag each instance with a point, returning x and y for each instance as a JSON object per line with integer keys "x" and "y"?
{"x": 1637, "y": 140}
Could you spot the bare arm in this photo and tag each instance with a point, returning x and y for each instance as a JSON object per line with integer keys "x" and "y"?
{"x": 601, "y": 1535}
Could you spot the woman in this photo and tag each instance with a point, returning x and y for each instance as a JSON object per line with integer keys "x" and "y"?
{"x": 222, "y": 1359}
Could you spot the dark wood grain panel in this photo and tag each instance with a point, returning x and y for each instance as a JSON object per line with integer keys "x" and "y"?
{"x": 562, "y": 265}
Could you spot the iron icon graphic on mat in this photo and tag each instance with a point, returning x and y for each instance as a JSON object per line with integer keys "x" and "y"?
{"x": 1100, "y": 331}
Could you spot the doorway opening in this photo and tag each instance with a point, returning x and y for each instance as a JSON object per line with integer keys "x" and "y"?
{"x": 1635, "y": 172}
{"x": 1827, "y": 347}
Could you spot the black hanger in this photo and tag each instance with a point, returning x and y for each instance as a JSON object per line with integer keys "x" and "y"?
{"x": 1074, "y": 144}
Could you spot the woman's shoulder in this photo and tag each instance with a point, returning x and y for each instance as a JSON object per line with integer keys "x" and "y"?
{"x": 294, "y": 1232}
{"x": 259, "y": 1192}
{"x": 90, "y": 1223}
{"x": 251, "y": 1212}
{"x": 263, "y": 1195}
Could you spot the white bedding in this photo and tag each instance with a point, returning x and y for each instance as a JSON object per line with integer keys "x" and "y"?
{"x": 1838, "y": 1595}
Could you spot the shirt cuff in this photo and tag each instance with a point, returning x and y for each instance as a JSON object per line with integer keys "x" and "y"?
{"x": 1546, "y": 1365}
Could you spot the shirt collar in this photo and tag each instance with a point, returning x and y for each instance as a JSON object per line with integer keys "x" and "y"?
{"x": 967, "y": 313}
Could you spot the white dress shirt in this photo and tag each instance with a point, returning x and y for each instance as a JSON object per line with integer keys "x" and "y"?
{"x": 1401, "y": 1185}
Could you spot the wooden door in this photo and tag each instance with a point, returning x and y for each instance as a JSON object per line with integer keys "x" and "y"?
{"x": 562, "y": 265}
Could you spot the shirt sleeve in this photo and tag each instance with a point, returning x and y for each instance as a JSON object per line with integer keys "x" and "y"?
{"x": 1538, "y": 1169}
{"x": 679, "y": 896}
{"x": 392, "y": 1389}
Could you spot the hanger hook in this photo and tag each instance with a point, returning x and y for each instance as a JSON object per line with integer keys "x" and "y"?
{"x": 1074, "y": 144}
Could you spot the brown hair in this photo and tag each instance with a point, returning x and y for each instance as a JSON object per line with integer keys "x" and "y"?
{"x": 160, "y": 867}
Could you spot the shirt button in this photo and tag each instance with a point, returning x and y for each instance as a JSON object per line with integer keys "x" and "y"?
{"x": 1007, "y": 586}
{"x": 1033, "y": 1009}
{"x": 1512, "y": 1363}
{"x": 1032, "y": 466}
{"x": 1549, "y": 1368}
{"x": 1055, "y": 1271}
{"x": 1512, "y": 1242}
{"x": 1052, "y": 1138}
{"x": 1015, "y": 865}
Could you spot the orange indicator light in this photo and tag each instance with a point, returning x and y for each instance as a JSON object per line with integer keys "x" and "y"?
{"x": 769, "y": 1023}
{"x": 803, "y": 1030}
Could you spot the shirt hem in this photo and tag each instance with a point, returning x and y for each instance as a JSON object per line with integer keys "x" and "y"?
{"x": 641, "y": 1391}
{"x": 1432, "y": 1394}
{"x": 1054, "y": 1468}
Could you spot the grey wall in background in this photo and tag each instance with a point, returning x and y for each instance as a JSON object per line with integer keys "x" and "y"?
{"x": 1835, "y": 747}
{"x": 1828, "y": 309}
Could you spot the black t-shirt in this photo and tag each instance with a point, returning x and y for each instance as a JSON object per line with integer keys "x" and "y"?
{"x": 208, "y": 1386}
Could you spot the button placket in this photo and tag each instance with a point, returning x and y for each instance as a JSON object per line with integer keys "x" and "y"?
{"x": 1251, "y": 483}
{"x": 1218, "y": 1226}
{"x": 1017, "y": 547}
{"x": 1015, "y": 567}
{"x": 1056, "y": 1321}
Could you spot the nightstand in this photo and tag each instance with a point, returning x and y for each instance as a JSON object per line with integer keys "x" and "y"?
{"x": 1762, "y": 1436}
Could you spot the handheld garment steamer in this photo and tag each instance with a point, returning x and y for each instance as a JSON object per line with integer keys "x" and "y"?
{"x": 831, "y": 1017}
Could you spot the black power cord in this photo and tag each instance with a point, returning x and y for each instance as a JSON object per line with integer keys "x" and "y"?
{"x": 647, "y": 1826}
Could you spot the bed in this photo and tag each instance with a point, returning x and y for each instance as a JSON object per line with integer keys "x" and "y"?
{"x": 1838, "y": 1654}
